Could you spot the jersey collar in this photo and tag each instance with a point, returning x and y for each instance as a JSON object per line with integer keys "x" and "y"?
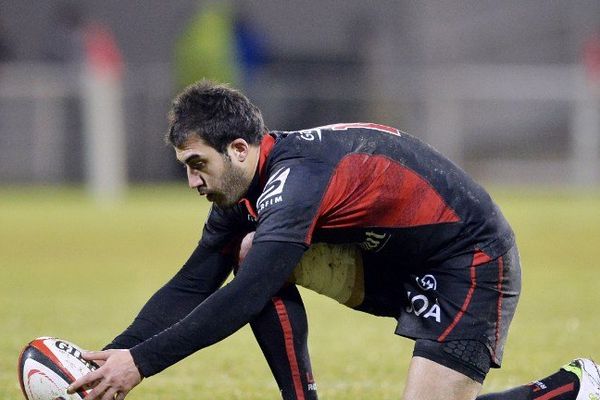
{"x": 266, "y": 146}
{"x": 260, "y": 177}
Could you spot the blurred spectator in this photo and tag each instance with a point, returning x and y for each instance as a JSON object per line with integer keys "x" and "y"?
{"x": 251, "y": 48}
{"x": 74, "y": 39}
{"x": 205, "y": 49}
{"x": 219, "y": 44}
{"x": 85, "y": 49}
{"x": 102, "y": 53}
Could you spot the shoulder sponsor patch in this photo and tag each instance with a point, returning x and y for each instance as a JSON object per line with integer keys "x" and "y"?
{"x": 273, "y": 190}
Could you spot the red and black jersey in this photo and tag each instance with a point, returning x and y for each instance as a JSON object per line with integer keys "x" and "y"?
{"x": 408, "y": 208}
{"x": 366, "y": 184}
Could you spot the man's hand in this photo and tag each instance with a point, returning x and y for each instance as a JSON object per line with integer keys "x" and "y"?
{"x": 113, "y": 380}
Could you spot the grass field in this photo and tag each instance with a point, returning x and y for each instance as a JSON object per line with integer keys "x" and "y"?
{"x": 71, "y": 269}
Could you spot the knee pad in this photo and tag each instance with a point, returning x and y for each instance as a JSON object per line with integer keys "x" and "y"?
{"x": 469, "y": 357}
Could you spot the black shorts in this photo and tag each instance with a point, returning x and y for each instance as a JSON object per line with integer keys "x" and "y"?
{"x": 471, "y": 297}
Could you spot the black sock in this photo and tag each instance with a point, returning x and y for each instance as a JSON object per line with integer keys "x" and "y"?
{"x": 562, "y": 385}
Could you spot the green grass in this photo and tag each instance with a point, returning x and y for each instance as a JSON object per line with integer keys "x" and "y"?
{"x": 71, "y": 269}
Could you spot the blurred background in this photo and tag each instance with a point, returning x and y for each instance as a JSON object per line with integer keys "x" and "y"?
{"x": 508, "y": 90}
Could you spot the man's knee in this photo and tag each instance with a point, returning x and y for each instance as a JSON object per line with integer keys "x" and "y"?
{"x": 245, "y": 246}
{"x": 468, "y": 357}
{"x": 428, "y": 380}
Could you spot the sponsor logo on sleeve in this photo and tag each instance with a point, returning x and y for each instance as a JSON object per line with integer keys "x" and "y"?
{"x": 310, "y": 134}
{"x": 273, "y": 191}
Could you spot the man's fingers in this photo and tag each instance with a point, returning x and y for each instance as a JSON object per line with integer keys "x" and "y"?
{"x": 85, "y": 380}
{"x": 112, "y": 394}
{"x": 113, "y": 380}
{"x": 96, "y": 355}
{"x": 97, "y": 392}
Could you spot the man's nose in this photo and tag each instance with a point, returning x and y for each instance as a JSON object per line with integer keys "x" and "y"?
{"x": 194, "y": 179}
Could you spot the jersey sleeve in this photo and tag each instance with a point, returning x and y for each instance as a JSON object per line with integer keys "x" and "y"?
{"x": 223, "y": 229}
{"x": 203, "y": 273}
{"x": 287, "y": 208}
{"x": 224, "y": 312}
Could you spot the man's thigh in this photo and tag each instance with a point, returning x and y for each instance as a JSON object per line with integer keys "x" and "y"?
{"x": 470, "y": 298}
{"x": 428, "y": 380}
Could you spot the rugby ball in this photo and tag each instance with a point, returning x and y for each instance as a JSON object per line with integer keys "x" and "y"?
{"x": 47, "y": 366}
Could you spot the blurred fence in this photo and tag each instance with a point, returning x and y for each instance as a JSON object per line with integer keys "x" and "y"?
{"x": 42, "y": 131}
{"x": 506, "y": 124}
{"x": 562, "y": 115}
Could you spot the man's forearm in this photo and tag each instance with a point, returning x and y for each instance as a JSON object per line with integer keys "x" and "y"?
{"x": 224, "y": 312}
{"x": 201, "y": 275}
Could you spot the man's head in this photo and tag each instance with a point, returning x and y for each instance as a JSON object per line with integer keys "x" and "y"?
{"x": 214, "y": 113}
{"x": 216, "y": 134}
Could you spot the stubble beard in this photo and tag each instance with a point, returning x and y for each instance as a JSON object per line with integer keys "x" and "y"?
{"x": 233, "y": 186}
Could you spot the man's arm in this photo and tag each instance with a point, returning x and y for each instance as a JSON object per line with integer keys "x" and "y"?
{"x": 220, "y": 315}
{"x": 263, "y": 272}
{"x": 203, "y": 273}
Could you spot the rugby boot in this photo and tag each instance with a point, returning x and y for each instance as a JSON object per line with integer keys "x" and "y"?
{"x": 589, "y": 378}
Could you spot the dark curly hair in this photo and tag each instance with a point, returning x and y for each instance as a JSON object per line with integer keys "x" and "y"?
{"x": 215, "y": 113}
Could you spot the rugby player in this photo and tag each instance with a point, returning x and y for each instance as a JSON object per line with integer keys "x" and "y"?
{"x": 361, "y": 212}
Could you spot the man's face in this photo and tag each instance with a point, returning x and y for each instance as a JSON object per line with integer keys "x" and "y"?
{"x": 213, "y": 174}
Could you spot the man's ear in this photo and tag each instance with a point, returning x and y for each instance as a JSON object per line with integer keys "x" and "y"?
{"x": 238, "y": 149}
